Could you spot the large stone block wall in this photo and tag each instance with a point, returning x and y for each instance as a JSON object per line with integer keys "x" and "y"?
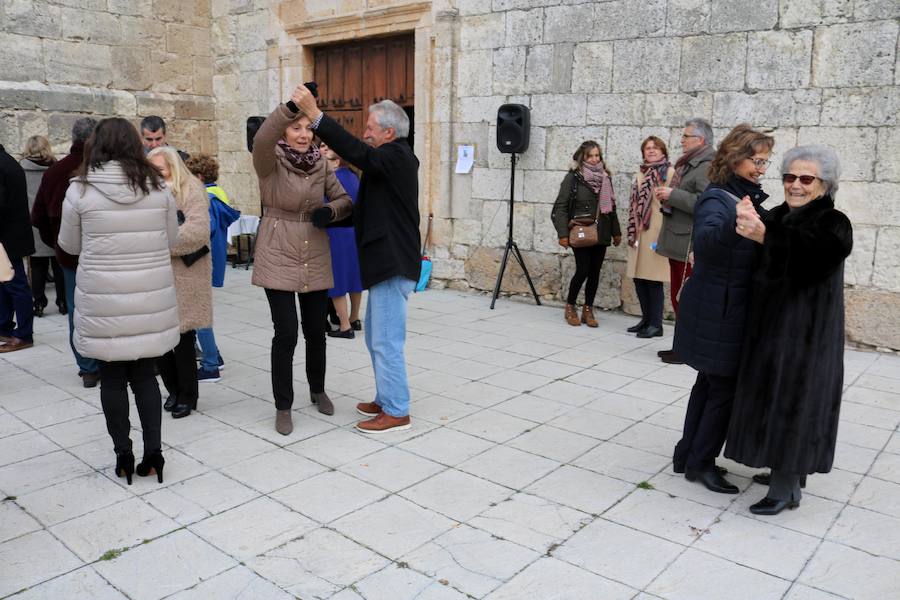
{"x": 618, "y": 71}
{"x": 615, "y": 71}
{"x": 70, "y": 58}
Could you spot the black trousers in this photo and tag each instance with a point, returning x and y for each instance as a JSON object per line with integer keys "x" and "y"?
{"x": 650, "y": 294}
{"x": 588, "y": 262}
{"x": 178, "y": 369}
{"x": 40, "y": 265}
{"x": 313, "y": 311}
{"x": 141, "y": 374}
{"x": 706, "y": 422}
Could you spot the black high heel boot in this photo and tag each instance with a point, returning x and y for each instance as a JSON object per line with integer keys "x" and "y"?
{"x": 125, "y": 464}
{"x": 39, "y": 307}
{"x": 152, "y": 464}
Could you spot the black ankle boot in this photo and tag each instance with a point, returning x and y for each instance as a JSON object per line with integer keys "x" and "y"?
{"x": 152, "y": 463}
{"x": 125, "y": 464}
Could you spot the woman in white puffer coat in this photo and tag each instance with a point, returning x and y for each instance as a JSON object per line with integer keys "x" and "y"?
{"x": 122, "y": 221}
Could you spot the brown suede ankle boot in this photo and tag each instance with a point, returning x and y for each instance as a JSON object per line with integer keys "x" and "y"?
{"x": 587, "y": 316}
{"x": 572, "y": 315}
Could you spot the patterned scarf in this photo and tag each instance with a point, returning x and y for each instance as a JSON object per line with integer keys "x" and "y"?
{"x": 642, "y": 199}
{"x": 305, "y": 161}
{"x": 682, "y": 163}
{"x": 598, "y": 180}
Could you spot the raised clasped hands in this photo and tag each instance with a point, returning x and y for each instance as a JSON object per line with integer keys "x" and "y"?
{"x": 305, "y": 101}
{"x": 748, "y": 224}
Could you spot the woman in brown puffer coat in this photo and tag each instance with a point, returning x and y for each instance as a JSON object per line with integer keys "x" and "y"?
{"x": 192, "y": 267}
{"x": 292, "y": 255}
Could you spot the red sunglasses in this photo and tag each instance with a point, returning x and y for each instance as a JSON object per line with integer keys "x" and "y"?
{"x": 790, "y": 178}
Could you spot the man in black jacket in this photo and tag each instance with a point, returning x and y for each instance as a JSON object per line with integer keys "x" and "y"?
{"x": 16, "y": 309}
{"x": 386, "y": 218}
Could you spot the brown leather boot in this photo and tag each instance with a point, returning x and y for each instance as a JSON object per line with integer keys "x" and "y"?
{"x": 572, "y": 315}
{"x": 587, "y": 316}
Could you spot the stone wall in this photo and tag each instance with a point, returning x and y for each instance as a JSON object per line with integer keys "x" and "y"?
{"x": 69, "y": 58}
{"x": 617, "y": 71}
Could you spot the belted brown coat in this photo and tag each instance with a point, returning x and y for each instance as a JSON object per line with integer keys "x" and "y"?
{"x": 291, "y": 254}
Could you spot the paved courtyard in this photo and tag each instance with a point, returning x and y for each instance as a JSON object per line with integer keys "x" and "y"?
{"x": 534, "y": 470}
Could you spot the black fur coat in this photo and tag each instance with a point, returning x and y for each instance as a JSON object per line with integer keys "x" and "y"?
{"x": 790, "y": 380}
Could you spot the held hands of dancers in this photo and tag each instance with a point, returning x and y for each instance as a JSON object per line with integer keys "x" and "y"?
{"x": 749, "y": 225}
{"x": 304, "y": 99}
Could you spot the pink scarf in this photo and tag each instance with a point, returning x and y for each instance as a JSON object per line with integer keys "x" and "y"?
{"x": 598, "y": 180}
{"x": 641, "y": 198}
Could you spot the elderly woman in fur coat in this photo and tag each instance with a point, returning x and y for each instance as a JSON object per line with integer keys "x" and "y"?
{"x": 788, "y": 398}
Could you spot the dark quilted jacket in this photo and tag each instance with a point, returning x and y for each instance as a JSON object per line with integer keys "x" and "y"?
{"x": 713, "y": 308}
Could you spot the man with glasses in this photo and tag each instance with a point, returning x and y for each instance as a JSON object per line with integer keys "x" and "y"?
{"x": 677, "y": 206}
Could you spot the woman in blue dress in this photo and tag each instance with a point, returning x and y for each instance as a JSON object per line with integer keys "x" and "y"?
{"x": 344, "y": 259}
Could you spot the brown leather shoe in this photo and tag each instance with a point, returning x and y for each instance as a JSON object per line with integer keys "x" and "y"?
{"x": 12, "y": 344}
{"x": 368, "y": 409}
{"x": 322, "y": 402}
{"x": 572, "y": 315}
{"x": 5, "y": 338}
{"x": 283, "y": 422}
{"x": 384, "y": 423}
{"x": 587, "y": 316}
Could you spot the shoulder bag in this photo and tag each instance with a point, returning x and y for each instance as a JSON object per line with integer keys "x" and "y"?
{"x": 583, "y": 232}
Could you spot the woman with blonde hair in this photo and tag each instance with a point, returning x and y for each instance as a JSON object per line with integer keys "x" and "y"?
{"x": 193, "y": 278}
{"x": 293, "y": 259}
{"x": 37, "y": 156}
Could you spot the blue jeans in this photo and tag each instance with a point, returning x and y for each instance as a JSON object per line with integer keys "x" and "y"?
{"x": 385, "y": 336}
{"x": 85, "y": 365}
{"x": 16, "y": 309}
{"x": 207, "y": 340}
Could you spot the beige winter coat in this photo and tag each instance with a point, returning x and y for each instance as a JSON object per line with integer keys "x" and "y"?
{"x": 643, "y": 261}
{"x": 291, "y": 254}
{"x": 125, "y": 306}
{"x": 193, "y": 284}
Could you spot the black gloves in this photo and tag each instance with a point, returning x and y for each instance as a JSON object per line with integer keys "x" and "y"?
{"x": 321, "y": 217}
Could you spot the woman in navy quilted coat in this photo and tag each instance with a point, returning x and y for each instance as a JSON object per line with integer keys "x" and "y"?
{"x": 713, "y": 307}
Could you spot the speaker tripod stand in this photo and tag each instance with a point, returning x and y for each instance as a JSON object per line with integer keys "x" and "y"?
{"x": 510, "y": 242}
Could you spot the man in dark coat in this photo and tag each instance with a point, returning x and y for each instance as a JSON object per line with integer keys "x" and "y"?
{"x": 46, "y": 215}
{"x": 677, "y": 204}
{"x": 386, "y": 218}
{"x": 16, "y": 309}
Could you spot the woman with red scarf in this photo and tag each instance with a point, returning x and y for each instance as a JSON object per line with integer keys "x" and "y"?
{"x": 292, "y": 260}
{"x": 586, "y": 192}
{"x": 648, "y": 269}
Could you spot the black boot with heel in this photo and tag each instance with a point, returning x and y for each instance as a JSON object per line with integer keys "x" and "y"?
{"x": 151, "y": 464}
{"x": 125, "y": 465}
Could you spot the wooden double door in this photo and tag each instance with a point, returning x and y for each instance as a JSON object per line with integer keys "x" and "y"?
{"x": 354, "y": 75}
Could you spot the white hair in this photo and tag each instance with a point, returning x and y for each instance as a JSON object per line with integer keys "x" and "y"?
{"x": 389, "y": 114}
{"x": 825, "y": 159}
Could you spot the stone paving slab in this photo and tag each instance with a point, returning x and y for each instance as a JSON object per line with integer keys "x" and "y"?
{"x": 538, "y": 466}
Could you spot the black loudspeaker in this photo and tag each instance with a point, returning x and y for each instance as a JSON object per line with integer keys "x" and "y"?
{"x": 513, "y": 127}
{"x": 253, "y": 124}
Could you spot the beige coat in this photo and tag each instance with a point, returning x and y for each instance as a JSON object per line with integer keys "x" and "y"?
{"x": 291, "y": 254}
{"x": 125, "y": 306}
{"x": 643, "y": 261}
{"x": 193, "y": 284}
